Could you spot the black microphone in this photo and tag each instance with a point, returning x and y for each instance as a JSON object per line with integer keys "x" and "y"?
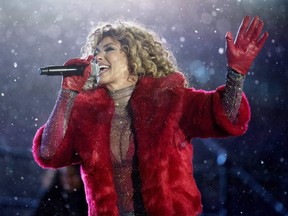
{"x": 71, "y": 70}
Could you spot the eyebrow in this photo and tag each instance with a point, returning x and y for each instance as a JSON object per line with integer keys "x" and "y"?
{"x": 106, "y": 45}
{"x": 109, "y": 44}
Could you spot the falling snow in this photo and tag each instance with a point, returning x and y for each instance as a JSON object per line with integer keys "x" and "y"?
{"x": 38, "y": 33}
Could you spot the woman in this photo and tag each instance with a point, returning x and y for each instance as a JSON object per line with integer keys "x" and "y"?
{"x": 130, "y": 126}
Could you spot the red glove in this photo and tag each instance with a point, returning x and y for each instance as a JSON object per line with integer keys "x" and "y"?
{"x": 241, "y": 54}
{"x": 76, "y": 83}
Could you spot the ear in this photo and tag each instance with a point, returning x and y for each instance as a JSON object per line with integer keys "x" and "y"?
{"x": 132, "y": 78}
{"x": 125, "y": 48}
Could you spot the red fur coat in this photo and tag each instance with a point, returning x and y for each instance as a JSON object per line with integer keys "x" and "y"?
{"x": 165, "y": 118}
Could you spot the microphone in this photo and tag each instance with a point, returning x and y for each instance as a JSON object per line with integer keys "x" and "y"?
{"x": 71, "y": 70}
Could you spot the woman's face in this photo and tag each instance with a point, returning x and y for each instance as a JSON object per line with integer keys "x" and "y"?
{"x": 113, "y": 63}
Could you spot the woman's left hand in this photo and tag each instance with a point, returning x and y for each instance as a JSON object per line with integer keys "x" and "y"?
{"x": 241, "y": 54}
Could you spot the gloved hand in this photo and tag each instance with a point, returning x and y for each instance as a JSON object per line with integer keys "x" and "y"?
{"x": 76, "y": 83}
{"x": 241, "y": 54}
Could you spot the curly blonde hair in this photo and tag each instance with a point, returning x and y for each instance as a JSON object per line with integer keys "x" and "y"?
{"x": 147, "y": 55}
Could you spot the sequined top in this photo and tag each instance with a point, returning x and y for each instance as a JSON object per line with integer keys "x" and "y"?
{"x": 122, "y": 148}
{"x": 233, "y": 93}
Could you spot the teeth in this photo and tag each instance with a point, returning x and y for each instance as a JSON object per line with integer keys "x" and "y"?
{"x": 103, "y": 67}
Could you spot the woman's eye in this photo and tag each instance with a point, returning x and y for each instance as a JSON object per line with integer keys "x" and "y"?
{"x": 96, "y": 52}
{"x": 109, "y": 49}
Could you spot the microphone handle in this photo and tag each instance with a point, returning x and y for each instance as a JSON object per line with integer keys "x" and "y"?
{"x": 72, "y": 70}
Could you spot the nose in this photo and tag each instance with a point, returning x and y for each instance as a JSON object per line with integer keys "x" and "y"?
{"x": 99, "y": 56}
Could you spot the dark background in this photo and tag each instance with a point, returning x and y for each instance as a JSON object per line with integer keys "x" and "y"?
{"x": 245, "y": 175}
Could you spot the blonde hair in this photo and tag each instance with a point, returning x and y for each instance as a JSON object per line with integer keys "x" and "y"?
{"x": 147, "y": 55}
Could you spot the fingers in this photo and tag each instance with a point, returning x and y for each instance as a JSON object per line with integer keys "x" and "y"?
{"x": 253, "y": 27}
{"x": 257, "y": 31}
{"x": 229, "y": 42}
{"x": 254, "y": 32}
{"x": 79, "y": 61}
{"x": 262, "y": 40}
{"x": 69, "y": 62}
{"x": 89, "y": 58}
{"x": 250, "y": 32}
{"x": 243, "y": 26}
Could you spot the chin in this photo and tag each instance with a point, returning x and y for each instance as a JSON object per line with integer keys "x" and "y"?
{"x": 102, "y": 83}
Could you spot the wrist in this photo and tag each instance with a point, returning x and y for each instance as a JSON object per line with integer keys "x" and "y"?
{"x": 233, "y": 93}
{"x": 72, "y": 84}
{"x": 68, "y": 91}
{"x": 235, "y": 74}
{"x": 239, "y": 68}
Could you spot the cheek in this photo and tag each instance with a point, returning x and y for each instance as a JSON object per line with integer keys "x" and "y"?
{"x": 103, "y": 79}
{"x": 120, "y": 67}
{"x": 121, "y": 59}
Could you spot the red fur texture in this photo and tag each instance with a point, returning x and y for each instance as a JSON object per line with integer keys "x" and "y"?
{"x": 165, "y": 118}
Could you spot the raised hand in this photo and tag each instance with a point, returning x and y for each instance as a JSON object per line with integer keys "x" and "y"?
{"x": 248, "y": 43}
{"x": 76, "y": 83}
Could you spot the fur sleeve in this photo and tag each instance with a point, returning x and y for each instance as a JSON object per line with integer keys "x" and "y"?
{"x": 204, "y": 115}
{"x": 64, "y": 155}
{"x": 243, "y": 117}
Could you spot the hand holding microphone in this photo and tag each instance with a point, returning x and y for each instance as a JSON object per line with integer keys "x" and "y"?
{"x": 75, "y": 72}
{"x": 77, "y": 82}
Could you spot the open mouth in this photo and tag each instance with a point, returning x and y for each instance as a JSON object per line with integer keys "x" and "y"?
{"x": 103, "y": 69}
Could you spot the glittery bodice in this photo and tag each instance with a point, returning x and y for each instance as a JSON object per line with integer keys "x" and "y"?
{"x": 121, "y": 144}
{"x": 122, "y": 148}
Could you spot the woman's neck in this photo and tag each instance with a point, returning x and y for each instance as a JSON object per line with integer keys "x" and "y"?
{"x": 122, "y": 96}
